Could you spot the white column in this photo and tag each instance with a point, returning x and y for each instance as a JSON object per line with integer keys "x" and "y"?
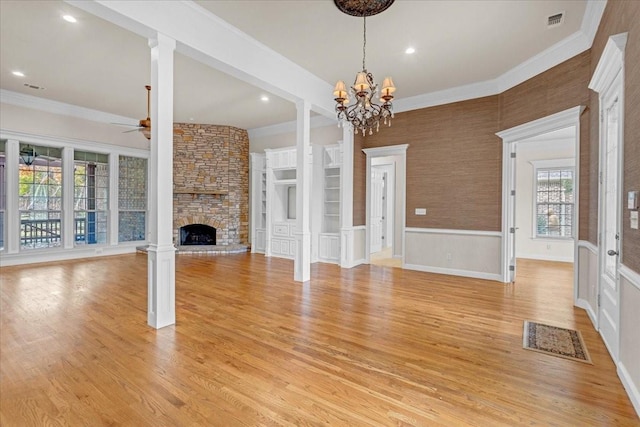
{"x": 161, "y": 278}
{"x": 68, "y": 192}
{"x": 12, "y": 215}
{"x": 346, "y": 198}
{"x": 114, "y": 173}
{"x": 302, "y": 262}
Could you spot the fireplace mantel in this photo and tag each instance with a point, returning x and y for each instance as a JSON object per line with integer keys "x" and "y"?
{"x": 194, "y": 192}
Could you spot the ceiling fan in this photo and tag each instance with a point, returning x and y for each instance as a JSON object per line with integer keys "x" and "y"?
{"x": 145, "y": 124}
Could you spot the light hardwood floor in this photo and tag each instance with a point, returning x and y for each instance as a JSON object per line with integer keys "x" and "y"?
{"x": 369, "y": 346}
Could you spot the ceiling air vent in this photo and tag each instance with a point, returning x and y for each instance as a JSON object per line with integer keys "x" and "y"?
{"x": 36, "y": 87}
{"x": 555, "y": 20}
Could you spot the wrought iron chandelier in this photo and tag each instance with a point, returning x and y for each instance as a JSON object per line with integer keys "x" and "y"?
{"x": 365, "y": 114}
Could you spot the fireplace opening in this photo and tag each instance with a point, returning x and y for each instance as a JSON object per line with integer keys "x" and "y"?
{"x": 197, "y": 234}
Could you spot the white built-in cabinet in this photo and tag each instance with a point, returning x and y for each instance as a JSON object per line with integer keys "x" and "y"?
{"x": 258, "y": 203}
{"x": 281, "y": 202}
{"x": 273, "y": 203}
{"x": 329, "y": 236}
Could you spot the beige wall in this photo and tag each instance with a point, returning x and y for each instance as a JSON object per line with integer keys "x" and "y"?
{"x": 629, "y": 336}
{"x": 324, "y": 135}
{"x": 20, "y": 119}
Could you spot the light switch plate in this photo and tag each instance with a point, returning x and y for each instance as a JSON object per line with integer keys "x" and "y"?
{"x": 421, "y": 211}
{"x": 634, "y": 220}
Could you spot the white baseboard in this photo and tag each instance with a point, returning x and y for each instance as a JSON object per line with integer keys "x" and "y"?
{"x": 37, "y": 256}
{"x": 584, "y": 304}
{"x": 546, "y": 258}
{"x": 454, "y": 272}
{"x": 630, "y": 387}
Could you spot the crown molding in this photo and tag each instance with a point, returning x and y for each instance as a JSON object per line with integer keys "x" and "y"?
{"x": 447, "y": 96}
{"x": 56, "y": 107}
{"x": 561, "y": 51}
{"x": 591, "y": 19}
{"x": 565, "y": 49}
{"x": 290, "y": 127}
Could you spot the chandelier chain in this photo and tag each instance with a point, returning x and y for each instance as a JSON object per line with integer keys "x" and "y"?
{"x": 364, "y": 44}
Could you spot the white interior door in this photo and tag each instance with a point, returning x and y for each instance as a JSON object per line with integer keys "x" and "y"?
{"x": 377, "y": 209}
{"x": 608, "y": 297}
{"x": 511, "y": 235}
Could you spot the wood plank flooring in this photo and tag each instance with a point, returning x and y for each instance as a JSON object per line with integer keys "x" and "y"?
{"x": 369, "y": 346}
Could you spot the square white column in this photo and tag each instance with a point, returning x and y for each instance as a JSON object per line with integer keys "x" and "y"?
{"x": 302, "y": 262}
{"x": 161, "y": 307}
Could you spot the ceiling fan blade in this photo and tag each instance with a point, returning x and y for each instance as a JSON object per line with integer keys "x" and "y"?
{"x": 126, "y": 124}
{"x": 138, "y": 128}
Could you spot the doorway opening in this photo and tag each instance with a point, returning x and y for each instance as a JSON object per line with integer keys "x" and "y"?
{"x": 549, "y": 220}
{"x": 385, "y": 205}
{"x": 545, "y": 196}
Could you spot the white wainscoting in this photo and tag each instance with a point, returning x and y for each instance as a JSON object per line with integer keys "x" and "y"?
{"x": 587, "y": 279}
{"x": 468, "y": 253}
{"x": 629, "y": 351}
{"x": 352, "y": 245}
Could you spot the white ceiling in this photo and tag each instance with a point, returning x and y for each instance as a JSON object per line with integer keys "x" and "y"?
{"x": 97, "y": 65}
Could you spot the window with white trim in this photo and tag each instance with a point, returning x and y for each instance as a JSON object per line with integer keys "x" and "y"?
{"x": 132, "y": 199}
{"x": 554, "y": 202}
{"x": 91, "y": 197}
{"x": 40, "y": 196}
{"x": 3, "y": 191}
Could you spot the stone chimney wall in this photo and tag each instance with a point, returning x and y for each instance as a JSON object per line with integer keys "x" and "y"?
{"x": 206, "y": 159}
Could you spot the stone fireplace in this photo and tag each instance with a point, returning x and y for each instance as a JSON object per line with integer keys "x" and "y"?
{"x": 211, "y": 185}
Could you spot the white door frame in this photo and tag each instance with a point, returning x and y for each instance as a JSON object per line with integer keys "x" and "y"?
{"x": 608, "y": 82}
{"x": 561, "y": 120}
{"x": 400, "y": 197}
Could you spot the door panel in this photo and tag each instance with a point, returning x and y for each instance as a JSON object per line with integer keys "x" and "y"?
{"x": 609, "y": 310}
{"x": 377, "y": 211}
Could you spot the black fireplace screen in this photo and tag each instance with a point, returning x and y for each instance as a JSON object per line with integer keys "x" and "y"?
{"x": 197, "y": 234}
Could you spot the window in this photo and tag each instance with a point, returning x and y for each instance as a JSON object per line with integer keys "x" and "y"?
{"x": 554, "y": 202}
{"x": 40, "y": 196}
{"x": 91, "y": 197}
{"x": 132, "y": 199}
{"x": 3, "y": 191}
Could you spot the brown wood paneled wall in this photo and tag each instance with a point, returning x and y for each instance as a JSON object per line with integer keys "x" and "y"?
{"x": 620, "y": 17}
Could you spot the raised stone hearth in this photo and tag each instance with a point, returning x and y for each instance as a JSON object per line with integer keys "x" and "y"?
{"x": 205, "y": 249}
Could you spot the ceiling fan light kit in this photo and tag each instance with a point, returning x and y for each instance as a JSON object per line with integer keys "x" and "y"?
{"x": 365, "y": 114}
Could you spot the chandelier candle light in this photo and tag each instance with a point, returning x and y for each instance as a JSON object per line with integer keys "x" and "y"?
{"x": 365, "y": 114}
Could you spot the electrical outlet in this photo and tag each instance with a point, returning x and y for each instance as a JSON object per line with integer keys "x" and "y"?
{"x": 448, "y": 256}
{"x": 421, "y": 211}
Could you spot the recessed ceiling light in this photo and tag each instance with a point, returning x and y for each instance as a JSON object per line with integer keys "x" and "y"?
{"x": 69, "y": 18}
{"x": 410, "y": 50}
{"x": 264, "y": 98}
{"x": 18, "y": 73}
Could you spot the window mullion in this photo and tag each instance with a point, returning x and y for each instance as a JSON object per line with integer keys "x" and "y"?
{"x": 68, "y": 217}
{"x": 114, "y": 167}
{"x": 12, "y": 214}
